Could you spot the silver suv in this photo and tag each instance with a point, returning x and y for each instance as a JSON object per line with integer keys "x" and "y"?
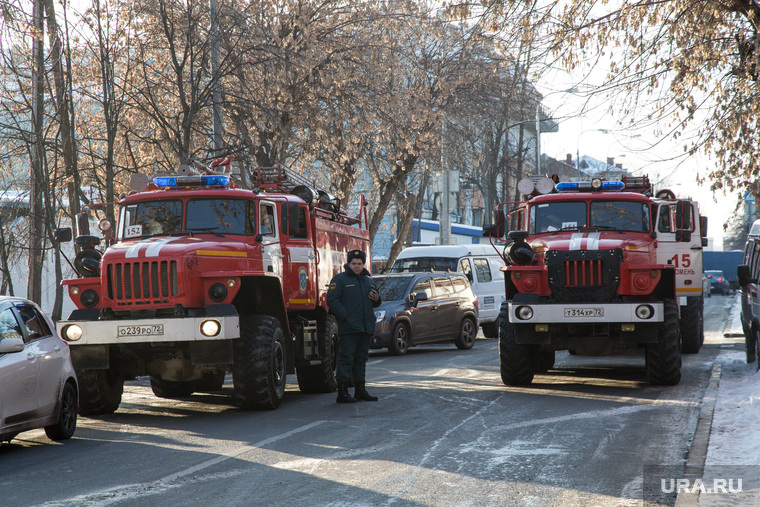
{"x": 39, "y": 386}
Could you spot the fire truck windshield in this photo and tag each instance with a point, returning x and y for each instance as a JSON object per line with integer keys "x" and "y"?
{"x": 150, "y": 218}
{"x": 214, "y": 216}
{"x": 630, "y": 216}
{"x": 221, "y": 216}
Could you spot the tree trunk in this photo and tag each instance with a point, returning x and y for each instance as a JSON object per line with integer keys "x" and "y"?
{"x": 37, "y": 186}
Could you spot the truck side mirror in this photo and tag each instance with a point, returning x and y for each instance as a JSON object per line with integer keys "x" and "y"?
{"x": 83, "y": 224}
{"x": 742, "y": 274}
{"x": 62, "y": 235}
{"x": 491, "y": 231}
{"x": 497, "y": 230}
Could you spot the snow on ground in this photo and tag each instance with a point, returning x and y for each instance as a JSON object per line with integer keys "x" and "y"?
{"x": 735, "y": 435}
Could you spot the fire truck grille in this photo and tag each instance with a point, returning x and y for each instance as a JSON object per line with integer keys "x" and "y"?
{"x": 142, "y": 282}
{"x": 584, "y": 275}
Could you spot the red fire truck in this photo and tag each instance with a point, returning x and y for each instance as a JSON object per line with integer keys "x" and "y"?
{"x": 201, "y": 277}
{"x": 599, "y": 266}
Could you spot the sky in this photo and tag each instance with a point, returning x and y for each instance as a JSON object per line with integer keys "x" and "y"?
{"x": 582, "y": 119}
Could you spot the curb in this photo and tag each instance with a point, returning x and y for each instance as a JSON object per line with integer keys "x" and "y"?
{"x": 695, "y": 462}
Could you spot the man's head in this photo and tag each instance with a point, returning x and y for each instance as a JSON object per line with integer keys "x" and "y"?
{"x": 356, "y": 260}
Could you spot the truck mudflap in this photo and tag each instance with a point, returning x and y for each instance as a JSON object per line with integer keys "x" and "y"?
{"x": 150, "y": 330}
{"x": 585, "y": 313}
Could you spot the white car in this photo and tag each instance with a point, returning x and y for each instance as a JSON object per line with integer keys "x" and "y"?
{"x": 39, "y": 385}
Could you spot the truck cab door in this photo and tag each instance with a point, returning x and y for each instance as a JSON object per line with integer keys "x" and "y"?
{"x": 299, "y": 258}
{"x": 679, "y": 242}
{"x": 269, "y": 238}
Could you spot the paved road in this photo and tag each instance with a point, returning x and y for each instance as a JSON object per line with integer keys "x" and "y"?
{"x": 446, "y": 432}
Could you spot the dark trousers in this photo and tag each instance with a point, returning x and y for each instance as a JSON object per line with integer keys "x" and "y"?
{"x": 354, "y": 352}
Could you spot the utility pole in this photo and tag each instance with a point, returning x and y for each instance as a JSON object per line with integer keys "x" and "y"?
{"x": 444, "y": 220}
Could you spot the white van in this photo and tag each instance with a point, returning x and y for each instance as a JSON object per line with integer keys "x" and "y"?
{"x": 480, "y": 263}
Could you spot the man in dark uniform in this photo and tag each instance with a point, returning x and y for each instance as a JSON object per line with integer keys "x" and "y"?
{"x": 352, "y": 298}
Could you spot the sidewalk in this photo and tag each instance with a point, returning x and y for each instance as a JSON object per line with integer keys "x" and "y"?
{"x": 727, "y": 439}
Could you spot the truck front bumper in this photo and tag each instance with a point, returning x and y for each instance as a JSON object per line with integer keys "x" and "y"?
{"x": 106, "y": 332}
{"x": 585, "y": 313}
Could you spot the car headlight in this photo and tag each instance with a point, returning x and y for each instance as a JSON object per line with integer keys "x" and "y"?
{"x": 524, "y": 312}
{"x": 644, "y": 312}
{"x": 210, "y": 327}
{"x": 72, "y": 333}
{"x": 379, "y": 315}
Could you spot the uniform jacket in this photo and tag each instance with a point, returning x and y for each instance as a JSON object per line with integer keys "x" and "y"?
{"x": 348, "y": 299}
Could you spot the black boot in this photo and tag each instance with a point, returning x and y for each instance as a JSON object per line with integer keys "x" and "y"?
{"x": 361, "y": 394}
{"x": 343, "y": 396}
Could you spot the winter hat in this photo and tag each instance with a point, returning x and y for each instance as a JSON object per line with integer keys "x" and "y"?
{"x": 357, "y": 254}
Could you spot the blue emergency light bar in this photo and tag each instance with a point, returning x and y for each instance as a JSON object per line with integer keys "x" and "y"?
{"x": 590, "y": 186}
{"x": 206, "y": 180}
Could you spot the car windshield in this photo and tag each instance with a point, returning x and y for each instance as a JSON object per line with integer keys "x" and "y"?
{"x": 392, "y": 288}
{"x": 424, "y": 265}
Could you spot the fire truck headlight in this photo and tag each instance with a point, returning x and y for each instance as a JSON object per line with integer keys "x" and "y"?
{"x": 644, "y": 311}
{"x": 72, "y": 333}
{"x": 217, "y": 292}
{"x": 210, "y": 327}
{"x": 524, "y": 312}
{"x": 89, "y": 298}
{"x": 104, "y": 225}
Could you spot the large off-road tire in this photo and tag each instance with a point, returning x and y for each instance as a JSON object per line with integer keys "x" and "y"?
{"x": 320, "y": 378}
{"x": 514, "y": 358}
{"x": 170, "y": 389}
{"x": 664, "y": 357}
{"x": 692, "y": 325}
{"x": 64, "y": 428}
{"x": 260, "y": 368}
{"x": 400, "y": 340}
{"x": 491, "y": 329}
{"x": 468, "y": 330}
{"x": 99, "y": 391}
{"x": 750, "y": 344}
{"x": 541, "y": 361}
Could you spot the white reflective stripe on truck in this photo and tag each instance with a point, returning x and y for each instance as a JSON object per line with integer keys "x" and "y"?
{"x": 575, "y": 313}
{"x": 97, "y": 332}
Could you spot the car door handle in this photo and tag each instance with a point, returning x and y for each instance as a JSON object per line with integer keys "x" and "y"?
{"x": 30, "y": 356}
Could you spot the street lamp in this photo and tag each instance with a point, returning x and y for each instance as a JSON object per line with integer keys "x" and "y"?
{"x": 538, "y": 125}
